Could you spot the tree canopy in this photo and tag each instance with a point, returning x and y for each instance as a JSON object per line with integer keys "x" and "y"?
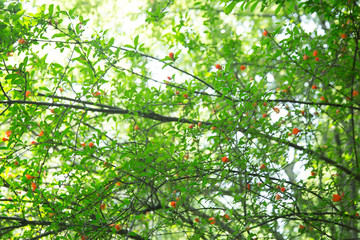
{"x": 193, "y": 119}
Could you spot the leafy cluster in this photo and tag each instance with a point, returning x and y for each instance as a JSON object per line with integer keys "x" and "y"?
{"x": 252, "y": 135}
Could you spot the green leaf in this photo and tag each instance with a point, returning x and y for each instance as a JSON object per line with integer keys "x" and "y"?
{"x": 277, "y": 10}
{"x": 228, "y": 9}
{"x": 296, "y": 30}
{"x": 129, "y": 46}
{"x": 58, "y": 35}
{"x": 51, "y": 9}
{"x": 18, "y": 15}
{"x": 136, "y": 41}
{"x": 45, "y": 89}
{"x": 111, "y": 42}
{"x": 12, "y": 76}
{"x": 254, "y": 6}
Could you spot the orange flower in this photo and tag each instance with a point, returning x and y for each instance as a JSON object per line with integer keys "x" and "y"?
{"x": 212, "y": 220}
{"x": 277, "y": 197}
{"x": 218, "y": 66}
{"x": 225, "y": 159}
{"x": 248, "y": 186}
{"x": 276, "y": 109}
{"x": 226, "y": 217}
{"x": 102, "y": 206}
{"x": 336, "y": 197}
{"x": 197, "y": 220}
{"x": 295, "y": 131}
{"x": 315, "y": 53}
{"x": 22, "y": 41}
{"x": 83, "y": 144}
{"x": 117, "y": 227}
{"x": 5, "y": 139}
{"x": 283, "y": 189}
{"x": 242, "y": 67}
{"x": 27, "y": 93}
{"x": 191, "y": 126}
{"x": 33, "y": 185}
{"x": 118, "y": 183}
{"x": 314, "y": 87}
{"x": 323, "y": 99}
{"x": 317, "y": 59}
{"x": 173, "y": 204}
{"x": 91, "y": 144}
{"x": 355, "y": 93}
{"x": 199, "y": 124}
{"x": 343, "y": 36}
{"x": 171, "y": 55}
{"x": 265, "y": 115}
{"x": 262, "y": 166}
{"x": 186, "y": 96}
{"x": 8, "y": 133}
{"x": 136, "y": 127}
{"x": 265, "y": 32}
{"x": 41, "y": 133}
{"x": 301, "y": 226}
{"x": 306, "y": 57}
{"x": 29, "y": 176}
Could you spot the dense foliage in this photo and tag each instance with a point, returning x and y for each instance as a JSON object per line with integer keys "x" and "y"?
{"x": 254, "y": 133}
